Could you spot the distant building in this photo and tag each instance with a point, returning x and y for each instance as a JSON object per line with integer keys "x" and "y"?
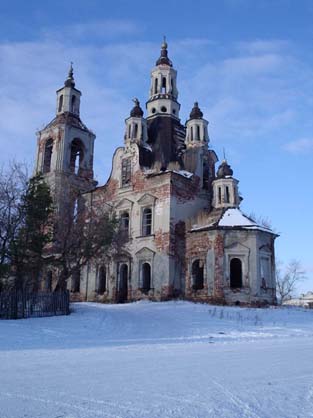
{"x": 305, "y": 300}
{"x": 186, "y": 234}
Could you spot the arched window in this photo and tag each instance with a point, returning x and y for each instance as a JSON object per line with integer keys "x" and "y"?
{"x": 102, "y": 278}
{"x": 147, "y": 221}
{"x": 197, "y": 275}
{"x": 48, "y": 281}
{"x": 163, "y": 85}
{"x": 198, "y": 132}
{"x": 60, "y": 103}
{"x": 235, "y": 273}
{"x": 146, "y": 277}
{"x": 135, "y": 130}
{"x": 126, "y": 171}
{"x": 47, "y": 156}
{"x": 205, "y": 177}
{"x": 124, "y": 224}
{"x": 73, "y": 104}
{"x": 155, "y": 86}
{"x": 129, "y": 131}
{"x": 77, "y": 155}
{"x": 219, "y": 195}
{"x": 75, "y": 283}
{"x": 191, "y": 133}
{"x": 123, "y": 284}
{"x": 227, "y": 194}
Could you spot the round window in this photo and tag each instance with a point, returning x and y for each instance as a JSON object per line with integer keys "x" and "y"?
{"x": 163, "y": 109}
{"x": 153, "y": 110}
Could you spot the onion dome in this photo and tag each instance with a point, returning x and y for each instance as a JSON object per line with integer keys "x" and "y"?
{"x": 196, "y": 112}
{"x": 136, "y": 111}
{"x": 224, "y": 170}
{"x": 69, "y": 82}
{"x": 164, "y": 59}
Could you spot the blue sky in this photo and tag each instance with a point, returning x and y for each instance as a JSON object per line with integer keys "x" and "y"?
{"x": 249, "y": 64}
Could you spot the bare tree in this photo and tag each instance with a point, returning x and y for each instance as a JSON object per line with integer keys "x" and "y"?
{"x": 288, "y": 280}
{"x": 82, "y": 234}
{"x": 13, "y": 185}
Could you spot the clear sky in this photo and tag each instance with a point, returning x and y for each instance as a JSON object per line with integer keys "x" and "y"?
{"x": 248, "y": 63}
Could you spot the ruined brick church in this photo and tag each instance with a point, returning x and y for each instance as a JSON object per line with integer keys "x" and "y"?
{"x": 186, "y": 235}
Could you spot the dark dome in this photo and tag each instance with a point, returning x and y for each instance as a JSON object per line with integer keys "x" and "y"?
{"x": 69, "y": 82}
{"x": 164, "y": 59}
{"x": 136, "y": 111}
{"x": 224, "y": 170}
{"x": 196, "y": 112}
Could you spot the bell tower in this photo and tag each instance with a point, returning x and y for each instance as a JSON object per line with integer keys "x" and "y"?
{"x": 65, "y": 147}
{"x": 163, "y": 89}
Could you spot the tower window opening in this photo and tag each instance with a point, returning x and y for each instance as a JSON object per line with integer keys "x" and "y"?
{"x": 146, "y": 277}
{"x": 219, "y": 195}
{"x": 197, "y": 271}
{"x": 60, "y": 103}
{"x": 129, "y": 131}
{"x": 163, "y": 85}
{"x": 73, "y": 104}
{"x": 191, "y": 133}
{"x": 135, "y": 130}
{"x": 147, "y": 221}
{"x": 198, "y": 132}
{"x": 126, "y": 171}
{"x": 235, "y": 273}
{"x": 227, "y": 194}
{"x": 163, "y": 109}
{"x": 124, "y": 224}
{"x": 205, "y": 177}
{"x": 102, "y": 280}
{"x": 153, "y": 110}
{"x": 77, "y": 156}
{"x": 47, "y": 156}
{"x": 156, "y": 86}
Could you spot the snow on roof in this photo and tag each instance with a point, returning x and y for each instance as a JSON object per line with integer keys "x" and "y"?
{"x": 234, "y": 217}
{"x": 184, "y": 173}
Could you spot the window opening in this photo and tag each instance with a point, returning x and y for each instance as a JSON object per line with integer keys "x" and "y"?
{"x": 197, "y": 275}
{"x": 163, "y": 109}
{"x": 60, "y": 103}
{"x": 102, "y": 280}
{"x": 235, "y": 273}
{"x": 147, "y": 221}
{"x": 48, "y": 156}
{"x": 123, "y": 285}
{"x": 219, "y": 195}
{"x": 191, "y": 133}
{"x": 75, "y": 284}
{"x": 126, "y": 171}
{"x": 155, "y": 86}
{"x": 198, "y": 132}
{"x": 163, "y": 85}
{"x": 73, "y": 105}
{"x": 77, "y": 155}
{"x": 227, "y": 194}
{"x": 124, "y": 224}
{"x": 135, "y": 130}
{"x": 146, "y": 277}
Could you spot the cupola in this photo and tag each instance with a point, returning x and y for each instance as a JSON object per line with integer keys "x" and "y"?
{"x": 68, "y": 97}
{"x": 196, "y": 128}
{"x": 136, "y": 126}
{"x": 225, "y": 188}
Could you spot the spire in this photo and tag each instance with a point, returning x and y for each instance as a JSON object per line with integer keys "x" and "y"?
{"x": 196, "y": 112}
{"x": 69, "y": 82}
{"x": 136, "y": 111}
{"x": 164, "y": 60}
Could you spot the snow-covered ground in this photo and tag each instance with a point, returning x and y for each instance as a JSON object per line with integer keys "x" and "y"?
{"x": 155, "y": 360}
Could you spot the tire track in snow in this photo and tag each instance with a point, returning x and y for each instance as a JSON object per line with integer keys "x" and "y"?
{"x": 248, "y": 412}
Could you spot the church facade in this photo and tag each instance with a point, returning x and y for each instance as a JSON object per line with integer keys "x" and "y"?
{"x": 186, "y": 236}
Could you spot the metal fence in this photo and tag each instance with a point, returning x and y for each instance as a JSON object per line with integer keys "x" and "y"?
{"x": 16, "y": 304}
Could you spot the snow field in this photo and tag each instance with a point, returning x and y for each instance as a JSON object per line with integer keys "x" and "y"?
{"x": 153, "y": 360}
